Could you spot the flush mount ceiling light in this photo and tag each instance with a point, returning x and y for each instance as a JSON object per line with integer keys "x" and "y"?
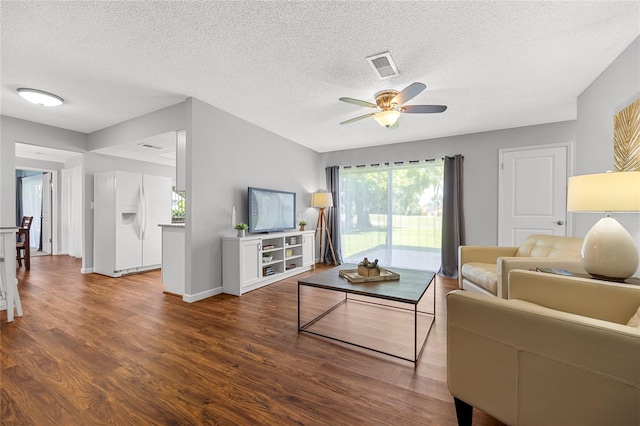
{"x": 40, "y": 97}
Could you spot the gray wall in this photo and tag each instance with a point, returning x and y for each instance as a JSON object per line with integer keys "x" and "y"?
{"x": 614, "y": 89}
{"x": 225, "y": 155}
{"x": 480, "y": 151}
{"x": 7, "y": 178}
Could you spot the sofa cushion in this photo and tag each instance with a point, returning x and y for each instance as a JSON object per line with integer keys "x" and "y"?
{"x": 550, "y": 246}
{"x": 482, "y": 274}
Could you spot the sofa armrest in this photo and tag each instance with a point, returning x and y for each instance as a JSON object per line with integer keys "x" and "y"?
{"x": 519, "y": 361}
{"x": 482, "y": 254}
{"x": 582, "y": 296}
{"x": 506, "y": 264}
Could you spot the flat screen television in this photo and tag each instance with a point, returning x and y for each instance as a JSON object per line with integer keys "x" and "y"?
{"x": 271, "y": 210}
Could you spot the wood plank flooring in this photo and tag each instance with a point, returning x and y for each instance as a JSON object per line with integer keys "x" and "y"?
{"x": 97, "y": 350}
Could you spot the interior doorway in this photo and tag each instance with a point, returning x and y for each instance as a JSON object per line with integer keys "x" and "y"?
{"x": 35, "y": 197}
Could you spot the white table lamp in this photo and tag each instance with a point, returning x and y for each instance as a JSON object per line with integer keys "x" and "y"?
{"x": 608, "y": 250}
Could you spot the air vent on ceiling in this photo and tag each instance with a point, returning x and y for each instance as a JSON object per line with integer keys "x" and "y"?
{"x": 383, "y": 65}
{"x": 147, "y": 145}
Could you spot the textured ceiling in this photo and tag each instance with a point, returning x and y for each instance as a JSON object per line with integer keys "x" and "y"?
{"x": 282, "y": 65}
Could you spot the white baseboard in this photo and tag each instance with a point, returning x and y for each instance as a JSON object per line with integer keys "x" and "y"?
{"x": 202, "y": 295}
{"x": 86, "y": 270}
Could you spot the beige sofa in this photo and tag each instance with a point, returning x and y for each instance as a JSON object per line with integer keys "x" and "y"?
{"x": 557, "y": 353}
{"x": 484, "y": 269}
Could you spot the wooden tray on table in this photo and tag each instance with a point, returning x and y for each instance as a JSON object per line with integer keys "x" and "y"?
{"x": 353, "y": 276}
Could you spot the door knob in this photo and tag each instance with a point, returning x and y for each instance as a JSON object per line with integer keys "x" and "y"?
{"x": 559, "y": 222}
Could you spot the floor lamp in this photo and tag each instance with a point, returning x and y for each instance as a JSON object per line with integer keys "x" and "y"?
{"x": 321, "y": 200}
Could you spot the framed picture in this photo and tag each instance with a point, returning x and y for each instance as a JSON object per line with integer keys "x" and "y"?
{"x": 626, "y": 139}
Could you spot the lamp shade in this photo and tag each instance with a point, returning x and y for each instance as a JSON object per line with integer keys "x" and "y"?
{"x": 321, "y": 199}
{"x": 604, "y": 192}
{"x": 387, "y": 118}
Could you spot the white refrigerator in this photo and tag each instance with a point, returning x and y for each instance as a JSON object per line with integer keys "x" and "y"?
{"x": 128, "y": 207}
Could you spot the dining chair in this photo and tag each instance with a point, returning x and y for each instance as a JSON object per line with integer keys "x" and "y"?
{"x": 22, "y": 244}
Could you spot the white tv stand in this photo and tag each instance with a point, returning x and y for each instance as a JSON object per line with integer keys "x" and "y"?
{"x": 243, "y": 266}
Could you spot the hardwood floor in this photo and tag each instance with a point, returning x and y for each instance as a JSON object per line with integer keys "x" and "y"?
{"x": 97, "y": 350}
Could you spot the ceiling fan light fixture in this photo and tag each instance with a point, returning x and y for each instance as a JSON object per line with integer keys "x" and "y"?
{"x": 391, "y": 104}
{"x": 40, "y": 97}
{"x": 387, "y": 118}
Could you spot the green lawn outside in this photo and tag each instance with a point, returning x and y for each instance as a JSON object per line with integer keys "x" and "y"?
{"x": 409, "y": 231}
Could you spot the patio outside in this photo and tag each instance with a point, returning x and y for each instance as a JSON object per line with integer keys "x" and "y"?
{"x": 415, "y": 242}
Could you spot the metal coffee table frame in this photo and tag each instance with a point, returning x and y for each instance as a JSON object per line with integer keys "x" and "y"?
{"x": 408, "y": 290}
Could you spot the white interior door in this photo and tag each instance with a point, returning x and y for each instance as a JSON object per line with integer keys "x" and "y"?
{"x": 532, "y": 193}
{"x": 46, "y": 213}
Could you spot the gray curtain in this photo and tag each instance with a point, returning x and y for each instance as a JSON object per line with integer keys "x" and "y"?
{"x": 18, "y": 200}
{"x": 452, "y": 216}
{"x": 333, "y": 222}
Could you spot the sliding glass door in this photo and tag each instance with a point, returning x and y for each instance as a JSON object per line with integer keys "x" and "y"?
{"x": 392, "y": 213}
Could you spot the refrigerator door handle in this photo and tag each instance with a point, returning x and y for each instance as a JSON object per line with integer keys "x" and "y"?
{"x": 143, "y": 197}
{"x": 140, "y": 210}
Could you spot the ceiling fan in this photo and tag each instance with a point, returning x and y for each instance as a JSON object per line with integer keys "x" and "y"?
{"x": 390, "y": 104}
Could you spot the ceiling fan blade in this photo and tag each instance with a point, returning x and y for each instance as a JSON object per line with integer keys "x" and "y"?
{"x": 358, "y": 102}
{"x": 409, "y": 92}
{"x": 423, "y": 109}
{"x": 395, "y": 125}
{"x": 358, "y": 118}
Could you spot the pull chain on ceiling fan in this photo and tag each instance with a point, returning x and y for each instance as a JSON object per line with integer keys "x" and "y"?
{"x": 391, "y": 105}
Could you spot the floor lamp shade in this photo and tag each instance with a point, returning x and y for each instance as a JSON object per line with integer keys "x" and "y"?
{"x": 321, "y": 199}
{"x": 608, "y": 250}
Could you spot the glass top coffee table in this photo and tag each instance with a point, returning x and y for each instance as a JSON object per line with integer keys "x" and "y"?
{"x": 383, "y": 316}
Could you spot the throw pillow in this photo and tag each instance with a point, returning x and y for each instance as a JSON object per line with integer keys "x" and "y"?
{"x": 635, "y": 319}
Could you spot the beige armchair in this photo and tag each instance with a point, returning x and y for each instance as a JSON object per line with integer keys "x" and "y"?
{"x": 485, "y": 269}
{"x": 557, "y": 353}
